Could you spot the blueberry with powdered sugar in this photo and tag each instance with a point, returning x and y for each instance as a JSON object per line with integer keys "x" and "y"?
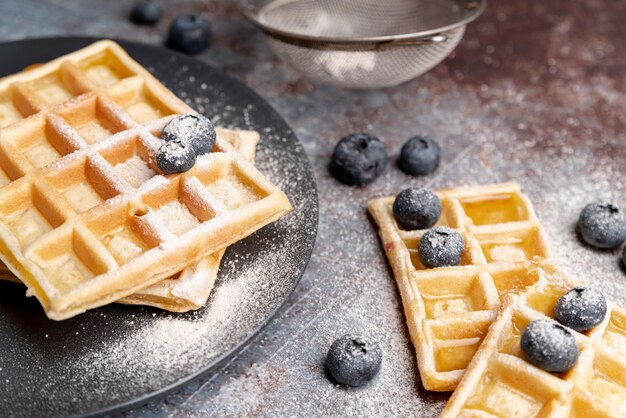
{"x": 603, "y": 225}
{"x": 193, "y": 129}
{"x": 581, "y": 309}
{"x": 175, "y": 156}
{"x": 549, "y": 346}
{"x": 416, "y": 208}
{"x": 441, "y": 247}
{"x": 354, "y": 360}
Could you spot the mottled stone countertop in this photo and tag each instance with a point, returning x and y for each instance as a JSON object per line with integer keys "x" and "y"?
{"x": 535, "y": 92}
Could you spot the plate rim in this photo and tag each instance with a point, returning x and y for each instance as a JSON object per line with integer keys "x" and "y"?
{"x": 221, "y": 360}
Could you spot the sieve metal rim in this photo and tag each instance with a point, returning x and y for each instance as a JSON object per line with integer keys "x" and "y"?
{"x": 364, "y": 43}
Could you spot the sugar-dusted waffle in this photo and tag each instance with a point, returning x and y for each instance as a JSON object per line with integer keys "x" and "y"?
{"x": 500, "y": 382}
{"x": 84, "y": 218}
{"x": 190, "y": 288}
{"x": 449, "y": 309}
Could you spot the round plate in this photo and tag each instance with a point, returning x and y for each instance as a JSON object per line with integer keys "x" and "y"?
{"x": 116, "y": 356}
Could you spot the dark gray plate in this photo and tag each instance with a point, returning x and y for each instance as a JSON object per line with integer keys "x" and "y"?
{"x": 117, "y": 356}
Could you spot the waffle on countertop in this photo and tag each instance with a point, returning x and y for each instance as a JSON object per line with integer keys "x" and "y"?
{"x": 501, "y": 383}
{"x": 450, "y": 309}
{"x": 84, "y": 218}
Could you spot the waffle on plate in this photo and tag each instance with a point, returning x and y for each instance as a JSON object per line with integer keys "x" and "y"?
{"x": 85, "y": 219}
{"x": 189, "y": 289}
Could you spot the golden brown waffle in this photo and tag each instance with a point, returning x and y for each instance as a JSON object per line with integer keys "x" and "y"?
{"x": 190, "y": 288}
{"x": 449, "y": 309}
{"x": 499, "y": 382}
{"x": 84, "y": 219}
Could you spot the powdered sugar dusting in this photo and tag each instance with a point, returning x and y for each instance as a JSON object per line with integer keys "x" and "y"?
{"x": 196, "y": 285}
{"x": 177, "y": 217}
{"x": 135, "y": 171}
{"x": 183, "y": 128}
{"x": 242, "y": 293}
{"x": 121, "y": 249}
{"x": 108, "y": 173}
{"x": 202, "y": 197}
{"x": 175, "y": 152}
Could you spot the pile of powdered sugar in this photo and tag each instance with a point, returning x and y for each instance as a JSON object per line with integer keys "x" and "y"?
{"x": 160, "y": 347}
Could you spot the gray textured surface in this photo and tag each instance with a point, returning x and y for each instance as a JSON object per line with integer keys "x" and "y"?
{"x": 536, "y": 93}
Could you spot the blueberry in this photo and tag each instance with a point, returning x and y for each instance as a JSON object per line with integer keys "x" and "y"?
{"x": 624, "y": 257}
{"x": 354, "y": 360}
{"x": 146, "y": 12}
{"x": 358, "y": 159}
{"x": 193, "y": 129}
{"x": 602, "y": 225}
{"x": 549, "y": 346}
{"x": 175, "y": 157}
{"x": 416, "y": 208}
{"x": 190, "y": 34}
{"x": 441, "y": 247}
{"x": 420, "y": 155}
{"x": 581, "y": 308}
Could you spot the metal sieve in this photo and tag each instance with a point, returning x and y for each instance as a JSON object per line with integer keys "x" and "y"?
{"x": 362, "y": 44}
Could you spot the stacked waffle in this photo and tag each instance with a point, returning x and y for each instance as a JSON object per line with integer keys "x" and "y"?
{"x": 85, "y": 217}
{"x": 506, "y": 275}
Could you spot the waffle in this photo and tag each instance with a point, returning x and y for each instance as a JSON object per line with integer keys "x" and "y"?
{"x": 84, "y": 218}
{"x": 500, "y": 383}
{"x": 189, "y": 289}
{"x": 450, "y": 309}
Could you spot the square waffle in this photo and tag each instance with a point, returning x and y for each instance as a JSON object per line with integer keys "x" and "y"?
{"x": 499, "y": 382}
{"x": 189, "y": 289}
{"x": 450, "y": 309}
{"x": 77, "y": 226}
